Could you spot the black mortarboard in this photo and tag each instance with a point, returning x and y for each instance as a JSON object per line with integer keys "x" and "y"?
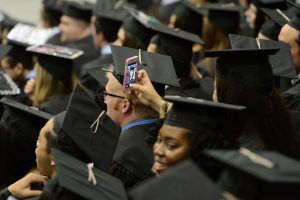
{"x": 95, "y": 134}
{"x": 192, "y": 113}
{"x": 295, "y": 21}
{"x": 7, "y": 85}
{"x": 159, "y": 67}
{"x": 34, "y": 112}
{"x": 250, "y": 67}
{"x": 54, "y": 5}
{"x": 26, "y": 121}
{"x": 260, "y": 175}
{"x": 85, "y": 181}
{"x": 152, "y": 24}
{"x": 188, "y": 18}
{"x": 281, "y": 62}
{"x": 270, "y": 29}
{"x": 27, "y": 35}
{"x": 281, "y": 17}
{"x": 81, "y": 10}
{"x": 180, "y": 182}
{"x": 110, "y": 9}
{"x": 134, "y": 25}
{"x": 225, "y": 16}
{"x": 56, "y": 60}
{"x": 270, "y": 4}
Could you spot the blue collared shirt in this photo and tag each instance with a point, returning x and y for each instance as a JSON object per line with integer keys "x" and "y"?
{"x": 138, "y": 122}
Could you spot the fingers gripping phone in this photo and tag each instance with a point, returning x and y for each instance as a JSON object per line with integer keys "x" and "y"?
{"x": 130, "y": 73}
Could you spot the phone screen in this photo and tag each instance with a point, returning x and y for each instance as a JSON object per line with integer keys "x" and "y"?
{"x": 131, "y": 74}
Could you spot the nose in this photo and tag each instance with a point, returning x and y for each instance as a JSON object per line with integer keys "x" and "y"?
{"x": 158, "y": 149}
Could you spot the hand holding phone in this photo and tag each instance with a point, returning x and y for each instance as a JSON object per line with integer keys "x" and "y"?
{"x": 130, "y": 73}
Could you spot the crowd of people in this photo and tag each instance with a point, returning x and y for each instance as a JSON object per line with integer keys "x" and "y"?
{"x": 211, "y": 109}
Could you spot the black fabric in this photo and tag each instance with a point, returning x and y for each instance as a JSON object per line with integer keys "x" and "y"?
{"x": 72, "y": 181}
{"x": 198, "y": 114}
{"x": 189, "y": 87}
{"x": 86, "y": 45}
{"x": 183, "y": 181}
{"x": 4, "y": 194}
{"x": 92, "y": 75}
{"x": 79, "y": 10}
{"x": 248, "y": 177}
{"x": 250, "y": 67}
{"x": 295, "y": 22}
{"x": 292, "y": 97}
{"x": 133, "y": 155}
{"x": 281, "y": 61}
{"x": 137, "y": 30}
{"x": 270, "y": 29}
{"x": 159, "y": 67}
{"x": 56, "y": 104}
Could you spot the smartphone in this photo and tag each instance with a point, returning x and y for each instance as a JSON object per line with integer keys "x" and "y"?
{"x": 130, "y": 73}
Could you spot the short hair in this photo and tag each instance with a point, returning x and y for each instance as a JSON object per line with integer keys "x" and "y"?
{"x": 108, "y": 27}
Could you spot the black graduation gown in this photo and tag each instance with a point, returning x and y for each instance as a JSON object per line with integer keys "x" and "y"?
{"x": 292, "y": 97}
{"x": 189, "y": 87}
{"x": 56, "y": 104}
{"x": 133, "y": 158}
{"x": 86, "y": 44}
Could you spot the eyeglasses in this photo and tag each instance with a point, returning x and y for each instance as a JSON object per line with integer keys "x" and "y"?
{"x": 104, "y": 93}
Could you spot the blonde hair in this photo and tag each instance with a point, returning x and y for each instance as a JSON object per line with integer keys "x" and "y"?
{"x": 48, "y": 86}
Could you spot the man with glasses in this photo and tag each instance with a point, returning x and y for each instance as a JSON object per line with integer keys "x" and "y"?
{"x": 133, "y": 159}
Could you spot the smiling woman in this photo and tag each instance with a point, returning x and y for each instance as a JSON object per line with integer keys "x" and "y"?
{"x": 191, "y": 126}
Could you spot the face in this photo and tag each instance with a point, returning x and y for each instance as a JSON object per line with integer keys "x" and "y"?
{"x": 251, "y": 15}
{"x": 121, "y": 37}
{"x": 43, "y": 158}
{"x": 113, "y": 103}
{"x": 290, "y": 35}
{"x": 12, "y": 71}
{"x": 172, "y": 146}
{"x": 71, "y": 29}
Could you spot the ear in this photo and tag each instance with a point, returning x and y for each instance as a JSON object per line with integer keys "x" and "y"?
{"x": 126, "y": 106}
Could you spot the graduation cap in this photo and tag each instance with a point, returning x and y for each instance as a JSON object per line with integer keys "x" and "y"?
{"x": 154, "y": 25}
{"x": 192, "y": 113}
{"x": 7, "y": 85}
{"x": 26, "y": 121}
{"x": 270, "y": 29}
{"x": 159, "y": 67}
{"x": 281, "y": 17}
{"x": 94, "y": 133}
{"x": 270, "y": 4}
{"x": 281, "y": 62}
{"x": 54, "y": 6}
{"x": 56, "y": 60}
{"x": 258, "y": 175}
{"x": 35, "y": 112}
{"x": 250, "y": 67}
{"x": 81, "y": 10}
{"x": 225, "y": 16}
{"x": 84, "y": 180}
{"x": 188, "y": 18}
{"x": 27, "y": 35}
{"x": 141, "y": 5}
{"x": 110, "y": 9}
{"x": 180, "y": 182}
